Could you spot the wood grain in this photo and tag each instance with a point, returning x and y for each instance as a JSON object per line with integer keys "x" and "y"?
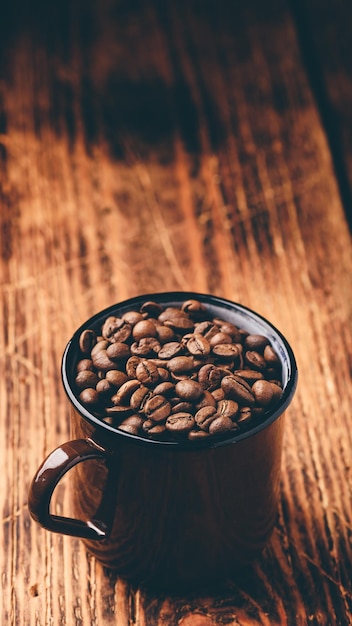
{"x": 157, "y": 146}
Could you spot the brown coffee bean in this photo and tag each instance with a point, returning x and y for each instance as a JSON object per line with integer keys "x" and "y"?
{"x": 125, "y": 391}
{"x": 221, "y": 425}
{"x": 147, "y": 372}
{"x": 180, "y": 323}
{"x": 180, "y": 423}
{"x": 227, "y": 350}
{"x": 102, "y": 361}
{"x": 132, "y": 317}
{"x": 165, "y": 334}
{"x": 230, "y": 329}
{"x": 237, "y": 389}
{"x": 139, "y": 397}
{"x": 227, "y": 408}
{"x": 170, "y": 350}
{"x": 182, "y": 406}
{"x": 209, "y": 377}
{"x": 271, "y": 357}
{"x": 86, "y": 379}
{"x": 89, "y": 397}
{"x": 256, "y": 342}
{"x": 87, "y": 341}
{"x": 180, "y": 364}
{"x": 157, "y": 431}
{"x": 118, "y": 411}
{"x": 118, "y": 351}
{"x": 205, "y": 416}
{"x": 165, "y": 389}
{"x": 84, "y": 364}
{"x": 153, "y": 309}
{"x": 157, "y": 408}
{"x": 255, "y": 360}
{"x": 104, "y": 388}
{"x": 244, "y": 415}
{"x": 250, "y": 376}
{"x": 144, "y": 328}
{"x": 116, "y": 378}
{"x": 189, "y": 390}
{"x": 116, "y": 329}
{"x": 218, "y": 394}
{"x": 202, "y": 328}
{"x": 206, "y": 399}
{"x": 266, "y": 393}
{"x": 198, "y": 345}
{"x": 100, "y": 345}
{"x": 193, "y": 308}
{"x": 131, "y": 366}
{"x": 195, "y": 435}
{"x": 220, "y": 338}
{"x": 146, "y": 346}
{"x": 133, "y": 420}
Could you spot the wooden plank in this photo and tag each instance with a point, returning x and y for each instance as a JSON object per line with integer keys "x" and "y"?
{"x": 159, "y": 146}
{"x": 325, "y": 40}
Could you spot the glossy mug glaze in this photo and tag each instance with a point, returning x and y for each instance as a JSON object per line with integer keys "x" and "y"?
{"x": 169, "y": 513}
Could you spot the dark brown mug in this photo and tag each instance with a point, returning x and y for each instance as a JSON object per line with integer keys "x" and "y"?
{"x": 169, "y": 513}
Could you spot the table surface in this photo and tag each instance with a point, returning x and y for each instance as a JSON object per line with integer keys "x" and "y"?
{"x": 190, "y": 145}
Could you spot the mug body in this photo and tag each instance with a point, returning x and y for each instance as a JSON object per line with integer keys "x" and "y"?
{"x": 180, "y": 517}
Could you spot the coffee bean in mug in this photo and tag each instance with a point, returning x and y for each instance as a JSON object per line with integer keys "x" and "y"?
{"x": 178, "y": 402}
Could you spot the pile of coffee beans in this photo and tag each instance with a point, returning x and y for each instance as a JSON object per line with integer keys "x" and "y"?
{"x": 176, "y": 372}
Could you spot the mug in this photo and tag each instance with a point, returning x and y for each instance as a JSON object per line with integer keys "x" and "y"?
{"x": 169, "y": 514}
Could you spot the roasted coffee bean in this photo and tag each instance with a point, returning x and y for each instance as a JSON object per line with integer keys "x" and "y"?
{"x": 205, "y": 416}
{"x": 271, "y": 357}
{"x": 125, "y": 391}
{"x": 157, "y": 431}
{"x": 169, "y": 350}
{"x": 157, "y": 408}
{"x": 218, "y": 394}
{"x": 266, "y": 393}
{"x": 165, "y": 389}
{"x": 227, "y": 350}
{"x": 180, "y": 423}
{"x": 193, "y": 308}
{"x": 145, "y": 347}
{"x": 116, "y": 378}
{"x": 164, "y": 334}
{"x": 131, "y": 366}
{"x": 220, "y": 338}
{"x": 153, "y": 309}
{"x": 132, "y": 317}
{"x": 89, "y": 397}
{"x": 147, "y": 373}
{"x": 230, "y": 329}
{"x": 85, "y": 379}
{"x": 237, "y": 389}
{"x": 87, "y": 341}
{"x": 102, "y": 344}
{"x": 139, "y": 397}
{"x": 189, "y": 390}
{"x": 116, "y": 329}
{"x": 250, "y": 376}
{"x": 255, "y": 360}
{"x": 118, "y": 411}
{"x": 180, "y": 364}
{"x": 198, "y": 345}
{"x": 85, "y": 364}
{"x": 180, "y": 324}
{"x": 256, "y": 342}
{"x": 118, "y": 351}
{"x": 244, "y": 415}
{"x": 227, "y": 408}
{"x": 102, "y": 361}
{"x": 195, "y": 435}
{"x": 144, "y": 328}
{"x": 206, "y": 399}
{"x": 182, "y": 406}
{"x": 104, "y": 388}
{"x": 209, "y": 377}
{"x": 221, "y": 425}
{"x": 202, "y": 328}
{"x": 164, "y": 374}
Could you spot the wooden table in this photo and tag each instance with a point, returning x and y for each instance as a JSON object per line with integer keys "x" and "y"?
{"x": 190, "y": 145}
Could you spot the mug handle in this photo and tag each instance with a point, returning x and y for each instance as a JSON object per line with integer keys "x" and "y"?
{"x": 53, "y": 468}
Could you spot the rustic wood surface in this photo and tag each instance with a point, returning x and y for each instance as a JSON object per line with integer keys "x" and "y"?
{"x": 151, "y": 146}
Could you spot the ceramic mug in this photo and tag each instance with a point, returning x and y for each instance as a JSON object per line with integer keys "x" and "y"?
{"x": 169, "y": 513}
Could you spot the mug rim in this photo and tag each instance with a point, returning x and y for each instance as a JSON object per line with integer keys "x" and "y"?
{"x": 168, "y": 298}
